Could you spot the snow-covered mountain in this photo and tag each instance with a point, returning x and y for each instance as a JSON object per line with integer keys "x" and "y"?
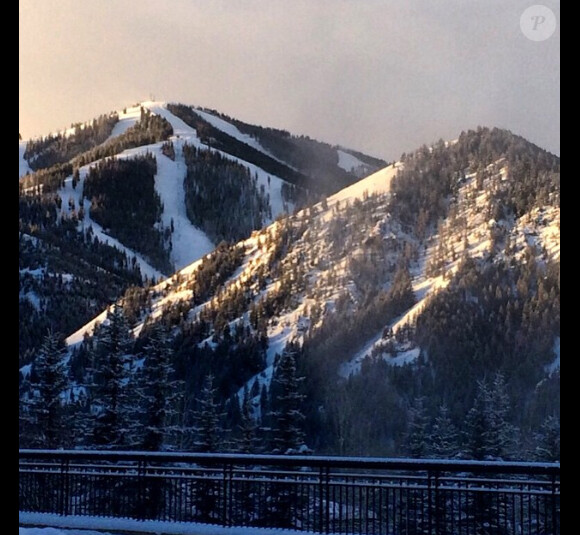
{"x": 189, "y": 243}
{"x": 419, "y": 282}
{"x": 181, "y": 230}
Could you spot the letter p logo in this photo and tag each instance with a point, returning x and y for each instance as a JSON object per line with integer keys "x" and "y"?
{"x": 538, "y": 23}
{"x": 538, "y": 19}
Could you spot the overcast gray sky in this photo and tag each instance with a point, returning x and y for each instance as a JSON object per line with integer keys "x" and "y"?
{"x": 381, "y": 76}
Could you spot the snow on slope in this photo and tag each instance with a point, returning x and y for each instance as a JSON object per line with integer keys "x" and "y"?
{"x": 189, "y": 242}
{"x": 180, "y": 128}
{"x": 350, "y": 163}
{"x": 376, "y": 184}
{"x": 24, "y": 168}
{"x": 472, "y": 205}
{"x": 127, "y": 118}
{"x": 87, "y": 329}
{"x": 183, "y": 133}
{"x": 292, "y": 324}
{"x": 233, "y": 131}
{"x": 404, "y": 353}
{"x": 532, "y": 229}
{"x": 539, "y": 228}
{"x": 73, "y": 195}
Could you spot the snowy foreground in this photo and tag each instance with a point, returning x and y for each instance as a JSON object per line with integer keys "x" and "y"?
{"x": 83, "y": 525}
{"x": 55, "y": 531}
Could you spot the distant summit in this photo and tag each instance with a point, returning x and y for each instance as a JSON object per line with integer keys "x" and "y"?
{"x": 413, "y": 312}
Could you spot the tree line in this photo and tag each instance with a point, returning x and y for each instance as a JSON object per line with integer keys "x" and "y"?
{"x": 131, "y": 396}
{"x": 222, "y": 197}
{"x": 123, "y": 200}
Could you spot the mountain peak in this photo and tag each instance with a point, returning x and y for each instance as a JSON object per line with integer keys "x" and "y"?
{"x": 419, "y": 281}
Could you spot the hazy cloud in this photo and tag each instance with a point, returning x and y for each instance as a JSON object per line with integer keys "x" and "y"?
{"x": 379, "y": 76}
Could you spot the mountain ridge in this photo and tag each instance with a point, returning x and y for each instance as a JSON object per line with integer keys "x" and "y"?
{"x": 421, "y": 280}
{"x": 132, "y": 133}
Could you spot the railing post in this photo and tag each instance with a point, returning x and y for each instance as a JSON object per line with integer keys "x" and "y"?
{"x": 437, "y": 498}
{"x": 227, "y": 507}
{"x": 64, "y": 487}
{"x": 141, "y": 489}
{"x": 433, "y": 501}
{"x": 324, "y": 488}
{"x": 327, "y": 484}
{"x": 232, "y": 494}
{"x": 320, "y": 499}
{"x": 554, "y": 507}
{"x": 429, "y": 503}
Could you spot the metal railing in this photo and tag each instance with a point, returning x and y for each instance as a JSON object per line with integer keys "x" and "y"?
{"x": 320, "y": 494}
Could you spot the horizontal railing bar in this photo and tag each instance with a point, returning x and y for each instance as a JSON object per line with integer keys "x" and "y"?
{"x": 258, "y": 475}
{"x": 392, "y": 484}
{"x": 316, "y": 481}
{"x": 254, "y": 474}
{"x": 370, "y": 463}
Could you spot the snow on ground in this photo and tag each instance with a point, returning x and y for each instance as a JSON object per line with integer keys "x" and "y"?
{"x": 183, "y": 133}
{"x": 424, "y": 288}
{"x": 73, "y": 194}
{"x": 350, "y": 163}
{"x": 539, "y": 228}
{"x": 189, "y": 242}
{"x": 180, "y": 128}
{"x": 58, "y": 531}
{"x": 232, "y": 131}
{"x": 405, "y": 357}
{"x": 77, "y": 525}
{"x": 24, "y": 168}
{"x": 377, "y": 183}
{"x": 127, "y": 118}
{"x": 278, "y": 338}
{"x": 78, "y": 336}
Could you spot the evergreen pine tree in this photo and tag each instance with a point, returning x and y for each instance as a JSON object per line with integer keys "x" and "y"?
{"x": 207, "y": 419}
{"x": 247, "y": 442}
{"x": 416, "y": 445}
{"x": 477, "y": 424}
{"x": 488, "y": 433}
{"x": 444, "y": 439}
{"x": 548, "y": 441}
{"x": 159, "y": 391}
{"x": 417, "y": 436}
{"x": 286, "y": 401}
{"x": 401, "y": 293}
{"x": 110, "y": 403}
{"x": 248, "y": 428}
{"x": 208, "y": 439}
{"x": 43, "y": 408}
{"x": 502, "y": 434}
